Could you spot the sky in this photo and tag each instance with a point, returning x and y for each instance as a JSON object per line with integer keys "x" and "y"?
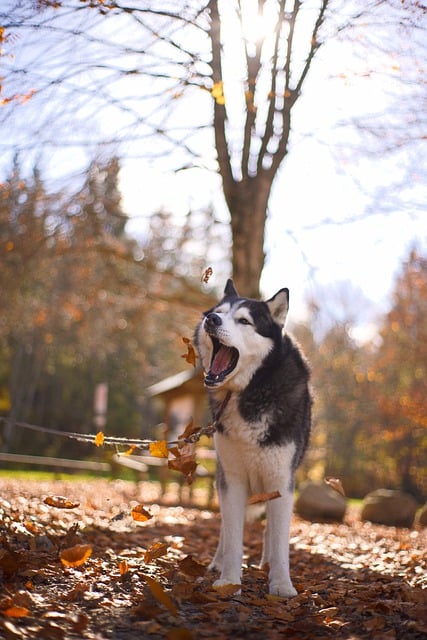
{"x": 341, "y": 209}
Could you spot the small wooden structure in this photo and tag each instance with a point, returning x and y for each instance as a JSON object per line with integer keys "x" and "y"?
{"x": 184, "y": 399}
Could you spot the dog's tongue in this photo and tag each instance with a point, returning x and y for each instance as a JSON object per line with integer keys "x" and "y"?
{"x": 222, "y": 360}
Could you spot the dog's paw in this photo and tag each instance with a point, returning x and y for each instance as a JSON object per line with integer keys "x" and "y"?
{"x": 283, "y": 589}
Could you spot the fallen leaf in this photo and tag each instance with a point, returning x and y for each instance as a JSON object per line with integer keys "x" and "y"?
{"x": 227, "y": 589}
{"x": 60, "y": 502}
{"x": 157, "y": 550}
{"x": 76, "y": 556}
{"x": 191, "y": 567}
{"x": 99, "y": 439}
{"x": 179, "y": 634}
{"x": 159, "y": 449}
{"x": 160, "y": 594}
{"x": 191, "y": 355}
{"x": 16, "y": 612}
{"x": 140, "y": 514}
{"x": 264, "y": 497}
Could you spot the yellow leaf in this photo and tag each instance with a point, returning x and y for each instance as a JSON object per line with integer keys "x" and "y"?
{"x": 99, "y": 439}
{"x": 159, "y": 449}
{"x": 76, "y": 556}
{"x": 160, "y": 594}
{"x": 217, "y": 89}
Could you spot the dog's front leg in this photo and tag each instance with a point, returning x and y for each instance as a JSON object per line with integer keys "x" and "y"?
{"x": 233, "y": 504}
{"x": 276, "y": 545}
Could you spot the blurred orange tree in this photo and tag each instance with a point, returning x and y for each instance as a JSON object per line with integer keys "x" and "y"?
{"x": 82, "y": 303}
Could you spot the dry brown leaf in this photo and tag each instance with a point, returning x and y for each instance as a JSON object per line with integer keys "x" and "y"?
{"x": 99, "y": 439}
{"x": 159, "y": 449}
{"x": 256, "y": 498}
{"x": 206, "y": 275}
{"x": 191, "y": 567}
{"x": 227, "y": 589}
{"x": 179, "y": 634}
{"x": 157, "y": 550}
{"x": 140, "y": 514}
{"x": 191, "y": 355}
{"x": 189, "y": 430}
{"x": 336, "y": 484}
{"x": 160, "y": 594}
{"x": 60, "y": 502}
{"x": 76, "y": 556}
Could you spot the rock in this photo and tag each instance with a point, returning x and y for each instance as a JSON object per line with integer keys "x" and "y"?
{"x": 392, "y": 508}
{"x": 318, "y": 502}
{"x": 421, "y": 517}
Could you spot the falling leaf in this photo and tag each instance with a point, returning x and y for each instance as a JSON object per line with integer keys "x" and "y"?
{"x": 336, "y": 484}
{"x": 191, "y": 567}
{"x": 157, "y": 550}
{"x": 160, "y": 594}
{"x": 207, "y": 274}
{"x": 159, "y": 449}
{"x": 123, "y": 567}
{"x": 140, "y": 514}
{"x": 189, "y": 430}
{"x": 60, "y": 502}
{"x": 99, "y": 439}
{"x": 191, "y": 355}
{"x": 256, "y": 498}
{"x": 76, "y": 556}
{"x": 184, "y": 463}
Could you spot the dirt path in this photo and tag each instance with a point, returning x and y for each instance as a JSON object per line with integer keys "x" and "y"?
{"x": 148, "y": 579}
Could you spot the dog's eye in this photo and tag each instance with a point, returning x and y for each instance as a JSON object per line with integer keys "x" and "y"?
{"x": 243, "y": 321}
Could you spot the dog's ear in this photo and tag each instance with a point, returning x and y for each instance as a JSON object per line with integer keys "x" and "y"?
{"x": 279, "y": 305}
{"x": 230, "y": 289}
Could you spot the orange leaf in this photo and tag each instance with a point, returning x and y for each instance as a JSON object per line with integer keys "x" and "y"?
{"x": 160, "y": 594}
{"x": 227, "y": 589}
{"x": 264, "y": 497}
{"x": 157, "y": 550}
{"x": 99, "y": 439}
{"x": 76, "y": 556}
{"x": 140, "y": 514}
{"x": 159, "y": 449}
{"x": 129, "y": 451}
{"x": 123, "y": 567}
{"x": 191, "y": 355}
{"x": 16, "y": 612}
{"x": 60, "y": 502}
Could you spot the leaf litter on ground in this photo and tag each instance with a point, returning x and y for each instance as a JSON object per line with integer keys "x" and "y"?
{"x": 128, "y": 578}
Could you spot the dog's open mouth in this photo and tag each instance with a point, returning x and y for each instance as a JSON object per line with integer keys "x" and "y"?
{"x": 224, "y": 360}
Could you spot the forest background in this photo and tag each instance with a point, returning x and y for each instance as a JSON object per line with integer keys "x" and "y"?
{"x": 84, "y": 301}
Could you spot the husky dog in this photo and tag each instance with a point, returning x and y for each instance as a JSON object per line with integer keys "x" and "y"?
{"x": 258, "y": 384}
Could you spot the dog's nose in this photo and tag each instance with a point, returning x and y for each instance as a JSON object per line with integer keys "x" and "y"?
{"x": 212, "y": 321}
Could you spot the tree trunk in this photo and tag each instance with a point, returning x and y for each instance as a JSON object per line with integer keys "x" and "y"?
{"x": 247, "y": 201}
